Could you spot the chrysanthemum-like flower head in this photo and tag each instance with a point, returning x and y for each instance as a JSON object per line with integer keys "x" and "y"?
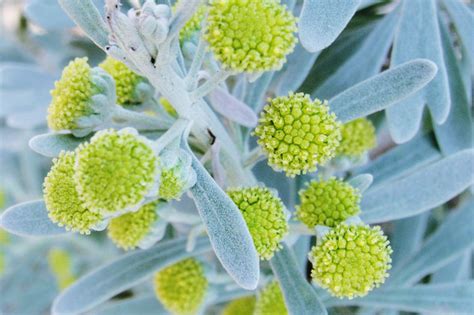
{"x": 130, "y": 229}
{"x": 182, "y": 287}
{"x": 250, "y": 35}
{"x": 327, "y": 202}
{"x": 193, "y": 25}
{"x": 242, "y": 306}
{"x": 74, "y": 97}
{"x": 62, "y": 199}
{"x": 358, "y": 136}
{"x": 297, "y": 133}
{"x": 60, "y": 263}
{"x": 265, "y": 216}
{"x": 115, "y": 171}
{"x": 270, "y": 301}
{"x": 351, "y": 260}
{"x": 177, "y": 175}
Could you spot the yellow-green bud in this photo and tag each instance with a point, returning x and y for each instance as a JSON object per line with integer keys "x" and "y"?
{"x": 265, "y": 216}
{"x": 297, "y": 133}
{"x": 242, "y": 306}
{"x": 250, "y": 35}
{"x": 177, "y": 175}
{"x": 115, "y": 171}
{"x": 350, "y": 260}
{"x": 60, "y": 264}
{"x": 193, "y": 25}
{"x": 327, "y": 202}
{"x": 62, "y": 198}
{"x": 358, "y": 136}
{"x": 182, "y": 287}
{"x": 270, "y": 301}
{"x": 128, "y": 230}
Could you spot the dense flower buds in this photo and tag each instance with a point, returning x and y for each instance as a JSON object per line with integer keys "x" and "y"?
{"x": 327, "y": 202}
{"x": 270, "y": 301}
{"x": 358, "y": 136}
{"x": 62, "y": 199}
{"x": 297, "y": 133}
{"x": 250, "y": 35}
{"x": 265, "y": 216}
{"x": 177, "y": 175}
{"x": 193, "y": 25}
{"x": 128, "y": 230}
{"x": 115, "y": 171}
{"x": 350, "y": 260}
{"x": 182, "y": 287}
{"x": 242, "y": 306}
{"x": 60, "y": 264}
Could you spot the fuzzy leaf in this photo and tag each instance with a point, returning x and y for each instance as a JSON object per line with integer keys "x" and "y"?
{"x": 122, "y": 274}
{"x": 420, "y": 191}
{"x": 362, "y": 182}
{"x": 232, "y": 108}
{"x": 29, "y": 219}
{"x": 51, "y": 144}
{"x": 321, "y": 21}
{"x": 382, "y": 90}
{"x": 300, "y": 297}
{"x": 147, "y": 305}
{"x": 47, "y": 14}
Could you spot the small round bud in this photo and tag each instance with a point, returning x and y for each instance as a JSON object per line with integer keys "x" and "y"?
{"x": 61, "y": 265}
{"x": 250, "y": 35}
{"x": 297, "y": 133}
{"x": 265, "y": 216}
{"x": 358, "y": 136}
{"x": 182, "y": 287}
{"x": 115, "y": 171}
{"x": 177, "y": 175}
{"x": 128, "y": 230}
{"x": 242, "y": 306}
{"x": 327, "y": 202}
{"x": 350, "y": 260}
{"x": 62, "y": 199}
{"x": 270, "y": 301}
{"x": 193, "y": 25}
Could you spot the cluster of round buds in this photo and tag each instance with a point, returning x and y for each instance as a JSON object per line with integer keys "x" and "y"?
{"x": 327, "y": 202}
{"x": 193, "y": 25}
{"x": 297, "y": 133}
{"x": 265, "y": 216}
{"x": 153, "y": 22}
{"x": 270, "y": 301}
{"x": 62, "y": 199}
{"x": 250, "y": 35}
{"x": 358, "y": 136}
{"x": 242, "y": 306}
{"x": 350, "y": 260}
{"x": 61, "y": 265}
{"x": 116, "y": 171}
{"x": 182, "y": 287}
{"x": 177, "y": 175}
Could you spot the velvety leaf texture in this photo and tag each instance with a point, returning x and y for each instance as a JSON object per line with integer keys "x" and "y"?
{"x": 51, "y": 144}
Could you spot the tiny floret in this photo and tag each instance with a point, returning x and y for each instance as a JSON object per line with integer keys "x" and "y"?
{"x": 182, "y": 287}
{"x": 351, "y": 260}
{"x": 327, "y": 202}
{"x": 177, "y": 175}
{"x": 265, "y": 216}
{"x": 270, "y": 301}
{"x": 115, "y": 171}
{"x": 358, "y": 136}
{"x": 61, "y": 266}
{"x": 297, "y": 133}
{"x": 129, "y": 229}
{"x": 62, "y": 198}
{"x": 250, "y": 35}
{"x": 242, "y": 306}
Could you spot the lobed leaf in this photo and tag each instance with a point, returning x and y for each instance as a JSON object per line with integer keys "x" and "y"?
{"x": 51, "y": 144}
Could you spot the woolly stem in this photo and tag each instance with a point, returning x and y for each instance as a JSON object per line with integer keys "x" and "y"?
{"x": 123, "y": 117}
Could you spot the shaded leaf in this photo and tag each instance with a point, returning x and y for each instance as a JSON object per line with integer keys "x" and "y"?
{"x": 147, "y": 305}
{"x": 51, "y": 144}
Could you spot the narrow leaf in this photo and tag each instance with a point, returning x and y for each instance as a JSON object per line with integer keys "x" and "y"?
{"x": 420, "y": 191}
{"x": 29, "y": 219}
{"x": 232, "y": 108}
{"x": 300, "y": 297}
{"x": 456, "y": 271}
{"x": 122, "y": 274}
{"x": 51, "y": 144}
{"x": 147, "y": 305}
{"x": 382, "y": 90}
{"x": 47, "y": 14}
{"x": 362, "y": 182}
{"x": 321, "y": 21}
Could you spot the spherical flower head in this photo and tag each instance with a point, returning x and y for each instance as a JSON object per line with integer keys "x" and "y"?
{"x": 265, "y": 216}
{"x": 297, "y": 133}
{"x": 177, "y": 175}
{"x": 250, "y": 35}
{"x": 128, "y": 230}
{"x": 62, "y": 198}
{"x": 358, "y": 136}
{"x": 270, "y": 301}
{"x": 327, "y": 202}
{"x": 182, "y": 287}
{"x": 193, "y": 25}
{"x": 242, "y": 306}
{"x": 351, "y": 260}
{"x": 61, "y": 265}
{"x": 125, "y": 79}
{"x": 115, "y": 171}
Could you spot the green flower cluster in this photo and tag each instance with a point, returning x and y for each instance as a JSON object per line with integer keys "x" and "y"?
{"x": 265, "y": 216}
{"x": 327, "y": 202}
{"x": 358, "y": 136}
{"x": 177, "y": 175}
{"x": 242, "y": 306}
{"x": 350, "y": 260}
{"x": 193, "y": 25}
{"x": 61, "y": 265}
{"x": 270, "y": 301}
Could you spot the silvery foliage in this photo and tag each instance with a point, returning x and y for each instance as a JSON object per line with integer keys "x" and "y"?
{"x": 421, "y": 188}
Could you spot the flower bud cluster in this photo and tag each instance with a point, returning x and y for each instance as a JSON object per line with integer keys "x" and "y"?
{"x": 61, "y": 266}
{"x": 242, "y": 306}
{"x": 358, "y": 136}
{"x": 270, "y": 301}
